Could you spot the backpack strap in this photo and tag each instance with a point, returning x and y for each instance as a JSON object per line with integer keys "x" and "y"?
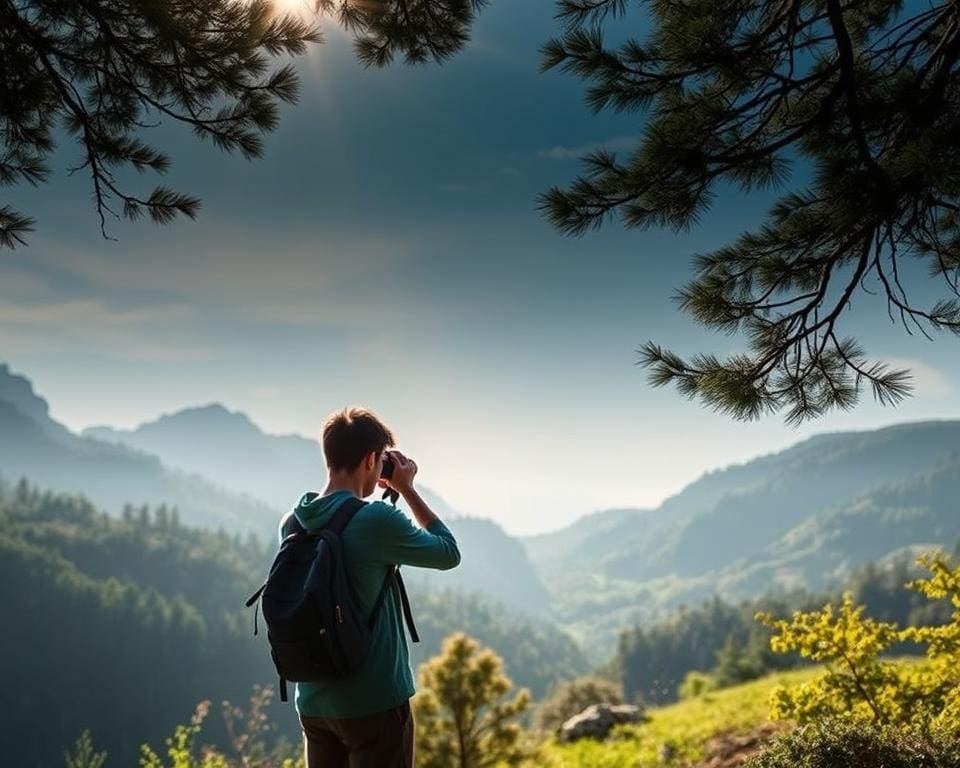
{"x": 344, "y": 514}
{"x": 407, "y": 610}
{"x": 393, "y": 579}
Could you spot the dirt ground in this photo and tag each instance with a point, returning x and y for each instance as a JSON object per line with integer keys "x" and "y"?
{"x": 731, "y": 750}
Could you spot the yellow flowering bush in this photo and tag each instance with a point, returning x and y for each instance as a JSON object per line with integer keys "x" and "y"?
{"x": 857, "y": 682}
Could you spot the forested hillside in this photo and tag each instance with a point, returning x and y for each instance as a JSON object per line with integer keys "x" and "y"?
{"x": 122, "y": 624}
{"x": 804, "y": 518}
{"x": 117, "y": 625}
{"x": 724, "y": 639}
{"x": 34, "y": 445}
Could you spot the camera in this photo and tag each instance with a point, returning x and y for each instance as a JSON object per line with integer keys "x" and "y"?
{"x": 386, "y": 471}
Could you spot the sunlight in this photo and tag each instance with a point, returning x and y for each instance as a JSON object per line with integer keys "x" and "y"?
{"x": 304, "y": 9}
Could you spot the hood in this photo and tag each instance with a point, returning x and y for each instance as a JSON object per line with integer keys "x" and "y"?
{"x": 314, "y": 511}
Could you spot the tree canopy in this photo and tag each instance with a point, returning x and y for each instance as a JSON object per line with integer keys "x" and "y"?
{"x": 104, "y": 73}
{"x": 861, "y": 98}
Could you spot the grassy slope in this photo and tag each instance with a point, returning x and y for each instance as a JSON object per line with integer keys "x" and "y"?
{"x": 687, "y": 726}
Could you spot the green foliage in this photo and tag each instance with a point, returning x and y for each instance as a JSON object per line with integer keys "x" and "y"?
{"x": 652, "y": 662}
{"x": 462, "y": 718}
{"x": 696, "y": 684}
{"x": 684, "y": 730}
{"x": 858, "y": 684}
{"x": 839, "y": 744}
{"x": 153, "y": 611}
{"x": 735, "y": 93}
{"x": 247, "y": 736}
{"x": 181, "y": 747}
{"x": 419, "y": 30}
{"x": 536, "y": 655}
{"x": 84, "y": 755}
{"x": 571, "y": 697}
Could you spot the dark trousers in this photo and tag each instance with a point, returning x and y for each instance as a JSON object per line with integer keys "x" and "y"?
{"x": 381, "y": 740}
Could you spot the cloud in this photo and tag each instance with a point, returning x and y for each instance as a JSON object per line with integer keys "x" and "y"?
{"x": 129, "y": 334}
{"x": 614, "y": 144}
{"x": 926, "y": 380}
{"x": 244, "y": 276}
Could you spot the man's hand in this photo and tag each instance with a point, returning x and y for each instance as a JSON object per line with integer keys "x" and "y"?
{"x": 404, "y": 470}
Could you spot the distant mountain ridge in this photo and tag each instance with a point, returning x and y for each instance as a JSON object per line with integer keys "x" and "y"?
{"x": 35, "y": 446}
{"x": 229, "y": 449}
{"x": 805, "y": 517}
{"x": 220, "y": 469}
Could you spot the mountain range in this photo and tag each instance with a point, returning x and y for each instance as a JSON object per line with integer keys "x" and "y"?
{"x": 220, "y": 470}
{"x": 805, "y": 517}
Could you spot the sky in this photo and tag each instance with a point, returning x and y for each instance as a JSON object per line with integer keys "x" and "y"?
{"x": 387, "y": 251}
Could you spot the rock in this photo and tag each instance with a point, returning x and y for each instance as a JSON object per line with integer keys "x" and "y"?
{"x": 596, "y": 721}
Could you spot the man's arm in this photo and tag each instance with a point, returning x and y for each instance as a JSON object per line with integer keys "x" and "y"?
{"x": 432, "y": 545}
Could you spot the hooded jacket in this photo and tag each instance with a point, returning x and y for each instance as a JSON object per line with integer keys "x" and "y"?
{"x": 379, "y": 536}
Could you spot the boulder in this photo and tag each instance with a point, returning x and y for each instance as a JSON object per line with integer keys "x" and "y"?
{"x": 597, "y": 720}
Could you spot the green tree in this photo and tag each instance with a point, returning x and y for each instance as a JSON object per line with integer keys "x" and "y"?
{"x": 862, "y": 97}
{"x": 462, "y": 718}
{"x": 571, "y": 697}
{"x": 105, "y": 72}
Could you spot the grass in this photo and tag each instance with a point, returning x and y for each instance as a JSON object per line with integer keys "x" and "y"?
{"x": 685, "y": 728}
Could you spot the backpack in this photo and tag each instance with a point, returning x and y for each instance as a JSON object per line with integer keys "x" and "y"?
{"x": 316, "y": 632}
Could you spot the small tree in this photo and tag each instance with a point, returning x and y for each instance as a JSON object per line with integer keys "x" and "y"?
{"x": 571, "y": 697}
{"x": 857, "y": 682}
{"x": 462, "y": 718}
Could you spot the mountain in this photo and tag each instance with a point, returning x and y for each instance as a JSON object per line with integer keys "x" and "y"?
{"x": 35, "y": 446}
{"x": 587, "y": 537}
{"x": 229, "y": 449}
{"x": 805, "y": 517}
{"x": 494, "y": 564}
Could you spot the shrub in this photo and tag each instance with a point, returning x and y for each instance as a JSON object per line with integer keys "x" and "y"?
{"x": 846, "y": 744}
{"x": 857, "y": 682}
{"x": 696, "y": 684}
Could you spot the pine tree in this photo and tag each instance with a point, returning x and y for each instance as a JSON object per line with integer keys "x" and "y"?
{"x": 462, "y": 720}
{"x": 863, "y": 97}
{"x": 106, "y": 72}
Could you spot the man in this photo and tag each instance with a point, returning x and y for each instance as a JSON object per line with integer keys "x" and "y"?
{"x": 364, "y": 721}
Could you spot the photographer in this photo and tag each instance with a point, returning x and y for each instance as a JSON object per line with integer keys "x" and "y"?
{"x": 364, "y": 720}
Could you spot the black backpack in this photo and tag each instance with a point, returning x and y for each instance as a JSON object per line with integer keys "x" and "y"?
{"x": 316, "y": 632}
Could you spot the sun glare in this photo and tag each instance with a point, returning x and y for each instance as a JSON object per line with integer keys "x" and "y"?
{"x": 302, "y": 8}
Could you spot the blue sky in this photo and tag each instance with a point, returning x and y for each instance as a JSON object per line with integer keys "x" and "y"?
{"x": 386, "y": 250}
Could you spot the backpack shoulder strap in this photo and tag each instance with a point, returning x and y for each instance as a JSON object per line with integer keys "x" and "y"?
{"x": 391, "y": 580}
{"x": 344, "y": 514}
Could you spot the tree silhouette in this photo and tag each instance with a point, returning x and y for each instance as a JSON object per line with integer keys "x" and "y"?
{"x": 106, "y": 72}
{"x": 862, "y": 94}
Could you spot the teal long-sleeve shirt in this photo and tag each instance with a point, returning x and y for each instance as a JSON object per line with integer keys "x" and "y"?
{"x": 379, "y": 536}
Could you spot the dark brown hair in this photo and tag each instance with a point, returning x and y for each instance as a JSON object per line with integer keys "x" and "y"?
{"x": 351, "y": 434}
